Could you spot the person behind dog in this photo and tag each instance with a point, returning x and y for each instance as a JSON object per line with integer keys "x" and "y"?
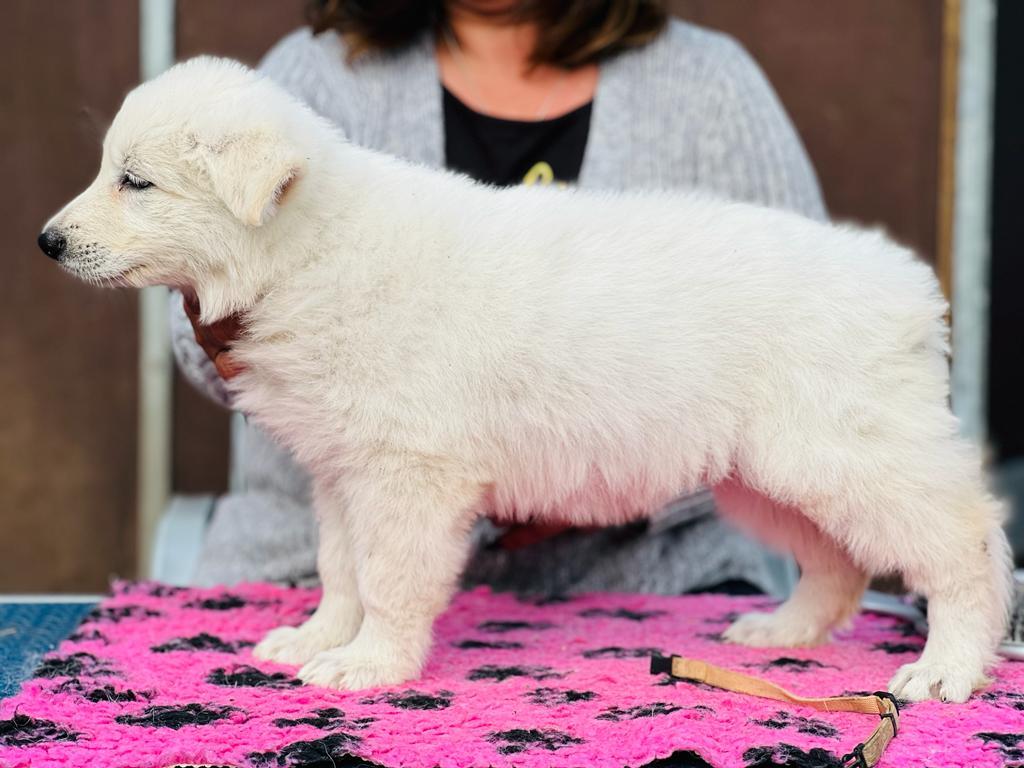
{"x": 607, "y": 94}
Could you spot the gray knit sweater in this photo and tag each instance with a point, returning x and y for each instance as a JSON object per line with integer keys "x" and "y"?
{"x": 691, "y": 109}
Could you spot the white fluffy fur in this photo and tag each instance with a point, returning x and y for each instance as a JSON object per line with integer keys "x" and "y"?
{"x": 431, "y": 348}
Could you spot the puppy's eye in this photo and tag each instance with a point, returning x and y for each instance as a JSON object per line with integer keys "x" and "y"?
{"x": 131, "y": 180}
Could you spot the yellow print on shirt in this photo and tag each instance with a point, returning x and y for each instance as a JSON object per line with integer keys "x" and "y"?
{"x": 541, "y": 173}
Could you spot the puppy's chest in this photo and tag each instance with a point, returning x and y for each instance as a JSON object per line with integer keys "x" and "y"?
{"x": 292, "y": 388}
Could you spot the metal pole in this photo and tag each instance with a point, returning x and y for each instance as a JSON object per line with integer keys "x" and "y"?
{"x": 156, "y": 53}
{"x": 972, "y": 215}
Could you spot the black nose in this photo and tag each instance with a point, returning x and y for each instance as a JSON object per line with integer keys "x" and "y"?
{"x": 52, "y": 244}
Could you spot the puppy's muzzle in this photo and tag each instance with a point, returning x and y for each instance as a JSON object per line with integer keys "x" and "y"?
{"x": 52, "y": 243}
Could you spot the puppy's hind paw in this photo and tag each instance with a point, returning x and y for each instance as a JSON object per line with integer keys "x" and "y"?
{"x": 935, "y": 680}
{"x": 774, "y": 630}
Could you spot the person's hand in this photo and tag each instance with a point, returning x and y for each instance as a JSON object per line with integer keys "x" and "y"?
{"x": 215, "y": 339}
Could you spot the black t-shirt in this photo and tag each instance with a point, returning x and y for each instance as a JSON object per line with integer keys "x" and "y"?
{"x": 507, "y": 152}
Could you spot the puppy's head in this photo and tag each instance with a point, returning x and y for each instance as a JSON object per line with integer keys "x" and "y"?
{"x": 196, "y": 167}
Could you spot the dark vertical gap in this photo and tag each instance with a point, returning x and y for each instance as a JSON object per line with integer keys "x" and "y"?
{"x": 1006, "y": 311}
{"x": 1006, "y": 346}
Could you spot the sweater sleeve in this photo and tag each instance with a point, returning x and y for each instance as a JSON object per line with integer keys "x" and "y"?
{"x": 748, "y": 148}
{"x": 297, "y": 63}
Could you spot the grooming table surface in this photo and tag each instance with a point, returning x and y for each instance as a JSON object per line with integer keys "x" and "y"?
{"x": 158, "y": 676}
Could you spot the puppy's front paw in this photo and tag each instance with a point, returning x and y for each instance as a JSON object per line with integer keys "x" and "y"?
{"x": 356, "y": 666}
{"x": 297, "y": 645}
{"x": 948, "y": 681}
{"x": 774, "y": 630}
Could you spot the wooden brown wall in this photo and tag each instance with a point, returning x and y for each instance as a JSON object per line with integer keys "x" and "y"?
{"x": 241, "y": 29}
{"x": 68, "y": 352}
{"x": 862, "y": 80}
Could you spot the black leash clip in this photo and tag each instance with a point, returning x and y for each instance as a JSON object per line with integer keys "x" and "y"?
{"x": 856, "y": 758}
{"x": 661, "y": 665}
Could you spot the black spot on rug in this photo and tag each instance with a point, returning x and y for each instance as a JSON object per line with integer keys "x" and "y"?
{"x": 788, "y": 756}
{"x": 556, "y": 697}
{"x": 809, "y": 725}
{"x": 790, "y": 664}
{"x": 88, "y": 635}
{"x": 543, "y": 600}
{"x": 328, "y": 718}
{"x": 620, "y": 613}
{"x": 23, "y": 731}
{"x": 526, "y": 739}
{"x": 655, "y": 708}
{"x": 614, "y": 652}
{"x": 1011, "y": 745}
{"x": 498, "y": 627}
{"x": 225, "y": 602}
{"x": 414, "y": 700}
{"x": 74, "y": 665}
{"x": 329, "y": 752}
{"x": 200, "y": 642}
{"x": 115, "y": 614}
{"x": 244, "y": 676}
{"x": 493, "y": 645}
{"x": 683, "y": 758}
{"x": 492, "y": 672}
{"x": 897, "y": 648}
{"x": 175, "y": 716}
{"x": 103, "y": 693}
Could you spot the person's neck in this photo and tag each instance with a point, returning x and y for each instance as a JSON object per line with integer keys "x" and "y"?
{"x": 496, "y": 47}
{"x": 486, "y": 63}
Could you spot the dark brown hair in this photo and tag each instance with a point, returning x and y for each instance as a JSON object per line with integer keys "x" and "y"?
{"x": 572, "y": 32}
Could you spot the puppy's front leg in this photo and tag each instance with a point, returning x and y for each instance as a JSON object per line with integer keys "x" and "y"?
{"x": 339, "y": 614}
{"x": 410, "y": 537}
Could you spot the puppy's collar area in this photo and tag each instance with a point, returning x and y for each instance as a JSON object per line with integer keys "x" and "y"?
{"x": 881, "y": 703}
{"x": 215, "y": 304}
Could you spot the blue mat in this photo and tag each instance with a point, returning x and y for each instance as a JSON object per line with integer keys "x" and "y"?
{"x": 27, "y": 631}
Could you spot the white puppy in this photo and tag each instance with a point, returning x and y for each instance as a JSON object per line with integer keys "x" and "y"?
{"x": 432, "y": 349}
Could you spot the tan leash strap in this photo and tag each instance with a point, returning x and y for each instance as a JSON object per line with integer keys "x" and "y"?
{"x": 864, "y": 755}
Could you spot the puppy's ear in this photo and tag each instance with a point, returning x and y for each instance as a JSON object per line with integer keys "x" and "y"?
{"x": 251, "y": 173}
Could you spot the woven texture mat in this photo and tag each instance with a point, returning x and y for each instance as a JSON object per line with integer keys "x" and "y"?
{"x": 158, "y": 676}
{"x": 27, "y": 631}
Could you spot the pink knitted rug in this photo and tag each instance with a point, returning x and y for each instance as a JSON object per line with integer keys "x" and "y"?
{"x": 159, "y": 676}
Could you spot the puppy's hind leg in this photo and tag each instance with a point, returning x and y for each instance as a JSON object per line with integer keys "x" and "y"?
{"x": 830, "y": 586}
{"x": 918, "y": 506}
{"x": 964, "y": 570}
{"x": 410, "y": 535}
{"x": 339, "y": 614}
